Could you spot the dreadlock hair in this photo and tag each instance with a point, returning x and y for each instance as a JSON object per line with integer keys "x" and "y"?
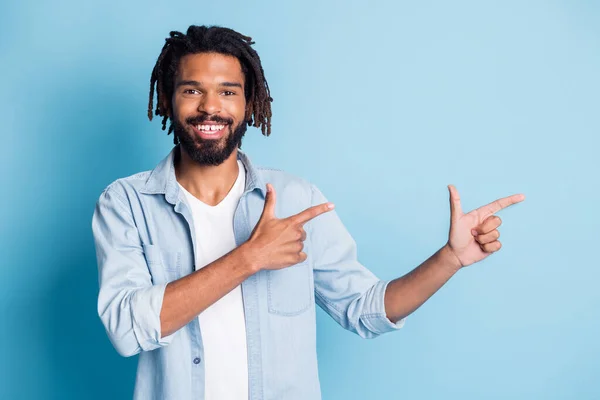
{"x": 213, "y": 39}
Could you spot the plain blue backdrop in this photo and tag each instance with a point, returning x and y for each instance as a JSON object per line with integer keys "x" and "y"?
{"x": 381, "y": 104}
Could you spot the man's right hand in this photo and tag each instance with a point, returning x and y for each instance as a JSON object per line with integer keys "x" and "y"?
{"x": 278, "y": 243}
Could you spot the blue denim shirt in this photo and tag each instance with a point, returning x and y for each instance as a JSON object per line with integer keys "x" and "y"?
{"x": 144, "y": 237}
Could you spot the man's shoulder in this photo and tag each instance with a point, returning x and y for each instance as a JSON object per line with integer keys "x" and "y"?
{"x": 129, "y": 184}
{"x": 280, "y": 175}
{"x": 284, "y": 181}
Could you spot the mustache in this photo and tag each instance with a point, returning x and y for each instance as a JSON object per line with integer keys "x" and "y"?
{"x": 199, "y": 119}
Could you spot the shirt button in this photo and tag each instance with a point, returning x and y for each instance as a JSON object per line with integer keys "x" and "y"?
{"x": 197, "y": 360}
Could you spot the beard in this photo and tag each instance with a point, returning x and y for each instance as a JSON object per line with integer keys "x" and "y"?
{"x": 208, "y": 151}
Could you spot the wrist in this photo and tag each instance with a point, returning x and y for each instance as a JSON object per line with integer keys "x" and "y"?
{"x": 450, "y": 258}
{"x": 247, "y": 259}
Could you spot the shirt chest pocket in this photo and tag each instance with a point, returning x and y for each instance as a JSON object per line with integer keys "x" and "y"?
{"x": 164, "y": 264}
{"x": 289, "y": 290}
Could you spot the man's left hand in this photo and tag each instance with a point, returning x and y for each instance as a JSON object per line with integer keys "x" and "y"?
{"x": 474, "y": 236}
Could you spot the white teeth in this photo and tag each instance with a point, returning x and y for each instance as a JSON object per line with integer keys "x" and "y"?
{"x": 210, "y": 127}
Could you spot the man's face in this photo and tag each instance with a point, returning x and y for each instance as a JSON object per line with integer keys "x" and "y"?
{"x": 209, "y": 106}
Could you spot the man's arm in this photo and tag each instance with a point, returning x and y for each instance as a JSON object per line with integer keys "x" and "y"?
{"x": 187, "y": 297}
{"x": 362, "y": 303}
{"x": 139, "y": 315}
{"x": 407, "y": 293}
{"x": 472, "y": 237}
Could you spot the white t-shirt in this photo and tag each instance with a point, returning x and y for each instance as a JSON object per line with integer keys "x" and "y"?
{"x": 222, "y": 325}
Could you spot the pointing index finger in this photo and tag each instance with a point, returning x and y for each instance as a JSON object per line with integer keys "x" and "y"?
{"x": 311, "y": 212}
{"x": 499, "y": 204}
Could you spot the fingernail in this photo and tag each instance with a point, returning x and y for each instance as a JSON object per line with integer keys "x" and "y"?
{"x": 474, "y": 232}
{"x": 330, "y": 206}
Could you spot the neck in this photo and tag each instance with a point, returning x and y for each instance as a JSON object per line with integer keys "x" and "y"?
{"x": 208, "y": 183}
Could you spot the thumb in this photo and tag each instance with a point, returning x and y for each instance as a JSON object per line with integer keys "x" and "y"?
{"x": 269, "y": 209}
{"x": 455, "y": 207}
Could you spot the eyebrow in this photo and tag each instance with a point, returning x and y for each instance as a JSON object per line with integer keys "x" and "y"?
{"x": 199, "y": 84}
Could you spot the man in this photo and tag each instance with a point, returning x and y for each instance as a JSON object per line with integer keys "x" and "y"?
{"x": 210, "y": 267}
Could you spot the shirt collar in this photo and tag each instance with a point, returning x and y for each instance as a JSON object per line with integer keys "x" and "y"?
{"x": 162, "y": 179}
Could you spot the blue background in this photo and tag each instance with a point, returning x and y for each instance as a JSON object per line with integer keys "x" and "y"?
{"x": 381, "y": 104}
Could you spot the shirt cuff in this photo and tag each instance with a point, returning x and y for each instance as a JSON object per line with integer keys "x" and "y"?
{"x": 146, "y": 305}
{"x": 376, "y": 319}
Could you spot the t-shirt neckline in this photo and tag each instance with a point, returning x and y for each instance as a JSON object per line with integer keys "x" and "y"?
{"x": 238, "y": 181}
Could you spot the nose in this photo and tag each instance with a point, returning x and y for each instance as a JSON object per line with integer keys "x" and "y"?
{"x": 210, "y": 104}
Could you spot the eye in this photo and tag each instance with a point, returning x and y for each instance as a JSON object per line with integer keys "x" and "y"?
{"x": 191, "y": 91}
{"x": 228, "y": 93}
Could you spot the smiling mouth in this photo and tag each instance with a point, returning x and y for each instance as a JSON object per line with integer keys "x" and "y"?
{"x": 212, "y": 130}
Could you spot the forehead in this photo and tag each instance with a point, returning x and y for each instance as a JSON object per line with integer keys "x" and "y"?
{"x": 210, "y": 68}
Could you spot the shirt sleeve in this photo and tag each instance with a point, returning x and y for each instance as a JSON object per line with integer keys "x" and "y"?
{"x": 350, "y": 293}
{"x": 129, "y": 304}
